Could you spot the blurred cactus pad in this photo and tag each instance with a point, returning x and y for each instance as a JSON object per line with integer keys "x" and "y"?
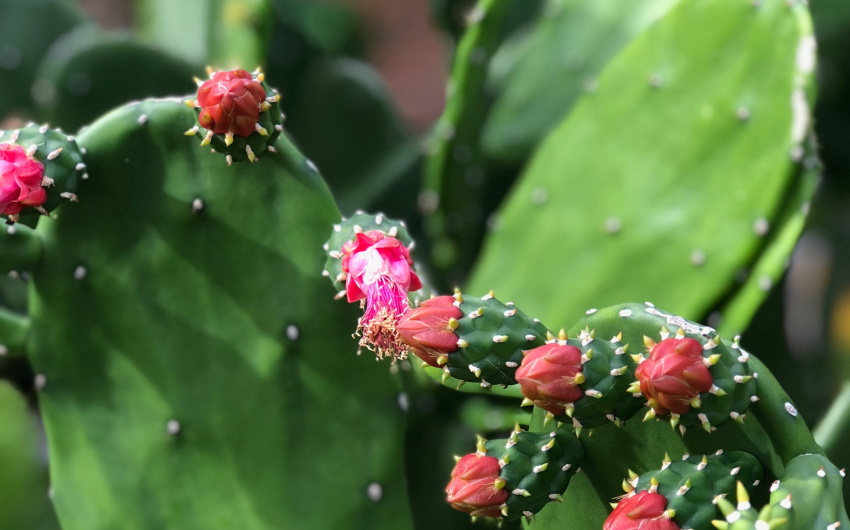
{"x": 172, "y": 355}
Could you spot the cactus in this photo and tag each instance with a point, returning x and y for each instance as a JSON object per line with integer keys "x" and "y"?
{"x": 165, "y": 306}
{"x": 156, "y": 208}
{"x": 807, "y": 496}
{"x": 691, "y": 484}
{"x": 627, "y": 169}
{"x": 560, "y": 49}
{"x": 489, "y": 339}
{"x": 530, "y": 470}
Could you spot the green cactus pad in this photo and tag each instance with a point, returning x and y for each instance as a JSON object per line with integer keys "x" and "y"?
{"x": 669, "y": 178}
{"x": 692, "y": 483}
{"x": 567, "y": 46}
{"x": 735, "y": 382}
{"x": 537, "y": 468}
{"x": 491, "y": 338}
{"x": 244, "y": 147}
{"x": 62, "y": 159}
{"x": 345, "y": 231}
{"x": 189, "y": 358}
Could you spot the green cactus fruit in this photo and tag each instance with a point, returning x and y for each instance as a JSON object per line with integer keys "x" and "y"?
{"x": 346, "y": 230}
{"x": 491, "y": 338}
{"x": 733, "y": 382}
{"x": 238, "y": 114}
{"x": 536, "y": 467}
{"x": 62, "y": 161}
{"x": 599, "y": 396}
{"x": 692, "y": 483}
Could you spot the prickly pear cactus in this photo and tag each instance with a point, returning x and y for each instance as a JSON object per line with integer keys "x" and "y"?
{"x": 692, "y": 483}
{"x": 186, "y": 351}
{"x": 534, "y": 469}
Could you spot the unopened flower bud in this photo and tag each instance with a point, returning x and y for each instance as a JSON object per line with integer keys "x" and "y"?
{"x": 550, "y": 376}
{"x": 643, "y": 511}
{"x": 427, "y": 329}
{"x": 476, "y": 487}
{"x": 674, "y": 375}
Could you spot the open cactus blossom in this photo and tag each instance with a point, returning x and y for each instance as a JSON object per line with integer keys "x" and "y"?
{"x": 549, "y": 376}
{"x": 21, "y": 180}
{"x": 429, "y": 329}
{"x": 643, "y": 511}
{"x": 674, "y": 375}
{"x": 379, "y": 272}
{"x": 476, "y": 487}
{"x": 231, "y": 103}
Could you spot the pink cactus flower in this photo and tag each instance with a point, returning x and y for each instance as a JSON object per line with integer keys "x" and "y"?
{"x": 642, "y": 511}
{"x": 379, "y": 272}
{"x": 230, "y": 102}
{"x": 550, "y": 376}
{"x": 21, "y": 178}
{"x": 674, "y": 375}
{"x": 476, "y": 488}
{"x": 426, "y": 329}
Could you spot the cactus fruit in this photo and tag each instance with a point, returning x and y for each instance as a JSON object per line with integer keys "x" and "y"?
{"x": 490, "y": 339}
{"x": 596, "y": 386}
{"x": 645, "y": 510}
{"x": 535, "y": 469}
{"x": 238, "y": 114}
{"x": 691, "y": 484}
{"x": 39, "y": 169}
{"x": 378, "y": 271}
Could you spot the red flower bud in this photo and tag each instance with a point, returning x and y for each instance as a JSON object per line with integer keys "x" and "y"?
{"x": 674, "y": 374}
{"x": 549, "y": 376}
{"x": 230, "y": 102}
{"x": 21, "y": 178}
{"x": 476, "y": 487}
{"x": 642, "y": 511}
{"x": 426, "y": 329}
